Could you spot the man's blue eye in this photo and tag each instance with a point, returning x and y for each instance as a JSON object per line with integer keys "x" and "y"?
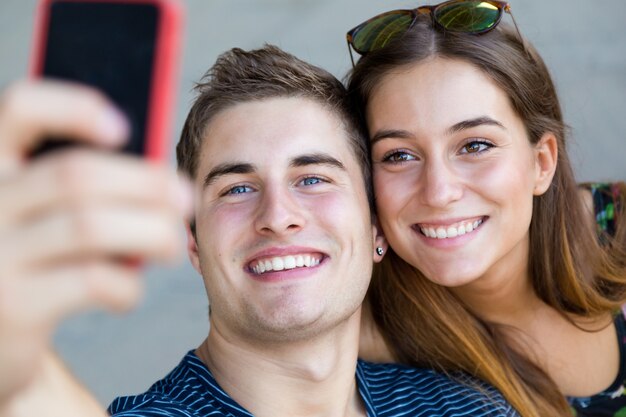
{"x": 240, "y": 189}
{"x": 311, "y": 181}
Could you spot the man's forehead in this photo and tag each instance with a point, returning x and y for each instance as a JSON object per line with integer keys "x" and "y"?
{"x": 241, "y": 167}
{"x": 274, "y": 132}
{"x": 282, "y": 109}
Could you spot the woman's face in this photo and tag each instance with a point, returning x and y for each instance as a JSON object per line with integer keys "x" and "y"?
{"x": 454, "y": 172}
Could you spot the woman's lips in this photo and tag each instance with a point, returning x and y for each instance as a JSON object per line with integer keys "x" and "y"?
{"x": 447, "y": 231}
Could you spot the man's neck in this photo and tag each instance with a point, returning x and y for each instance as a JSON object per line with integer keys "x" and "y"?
{"x": 313, "y": 377}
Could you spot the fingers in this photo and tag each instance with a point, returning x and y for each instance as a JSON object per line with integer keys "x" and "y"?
{"x": 84, "y": 203}
{"x": 73, "y": 178}
{"x": 70, "y": 221}
{"x": 33, "y": 110}
{"x": 117, "y": 232}
{"x": 79, "y": 206}
{"x": 54, "y": 292}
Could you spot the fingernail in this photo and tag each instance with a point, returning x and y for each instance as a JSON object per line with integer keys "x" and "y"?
{"x": 114, "y": 126}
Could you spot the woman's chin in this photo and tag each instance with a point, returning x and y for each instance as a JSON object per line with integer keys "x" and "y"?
{"x": 449, "y": 276}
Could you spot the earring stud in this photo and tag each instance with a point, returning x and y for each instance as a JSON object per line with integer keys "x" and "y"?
{"x": 379, "y": 251}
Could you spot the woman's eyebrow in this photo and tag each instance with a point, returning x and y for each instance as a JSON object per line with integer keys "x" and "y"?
{"x": 390, "y": 133}
{"x": 470, "y": 123}
{"x": 457, "y": 127}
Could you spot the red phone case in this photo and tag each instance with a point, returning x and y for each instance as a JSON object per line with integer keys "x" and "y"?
{"x": 164, "y": 69}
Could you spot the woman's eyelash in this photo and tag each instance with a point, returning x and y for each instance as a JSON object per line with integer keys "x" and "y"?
{"x": 398, "y": 156}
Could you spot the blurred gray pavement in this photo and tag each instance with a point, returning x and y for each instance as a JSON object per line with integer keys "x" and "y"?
{"x": 582, "y": 41}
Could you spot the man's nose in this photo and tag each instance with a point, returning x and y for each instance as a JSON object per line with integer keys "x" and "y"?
{"x": 279, "y": 212}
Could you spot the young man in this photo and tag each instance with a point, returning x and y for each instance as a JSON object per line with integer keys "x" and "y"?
{"x": 284, "y": 239}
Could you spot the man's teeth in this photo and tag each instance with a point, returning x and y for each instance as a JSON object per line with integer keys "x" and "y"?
{"x": 450, "y": 231}
{"x": 280, "y": 263}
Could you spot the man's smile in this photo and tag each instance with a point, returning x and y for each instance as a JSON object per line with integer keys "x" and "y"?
{"x": 280, "y": 263}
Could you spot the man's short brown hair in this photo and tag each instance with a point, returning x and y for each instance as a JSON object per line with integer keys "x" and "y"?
{"x": 241, "y": 76}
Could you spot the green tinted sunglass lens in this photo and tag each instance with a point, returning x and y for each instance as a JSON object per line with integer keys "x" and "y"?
{"x": 467, "y": 16}
{"x": 376, "y": 33}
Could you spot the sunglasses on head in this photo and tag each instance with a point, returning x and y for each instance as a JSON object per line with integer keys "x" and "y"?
{"x": 466, "y": 16}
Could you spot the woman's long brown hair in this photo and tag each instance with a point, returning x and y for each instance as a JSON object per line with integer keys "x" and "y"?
{"x": 619, "y": 241}
{"x": 424, "y": 323}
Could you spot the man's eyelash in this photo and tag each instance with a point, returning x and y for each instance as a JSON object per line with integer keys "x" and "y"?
{"x": 313, "y": 177}
{"x": 230, "y": 190}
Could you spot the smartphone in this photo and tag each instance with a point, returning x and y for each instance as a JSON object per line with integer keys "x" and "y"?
{"x": 128, "y": 49}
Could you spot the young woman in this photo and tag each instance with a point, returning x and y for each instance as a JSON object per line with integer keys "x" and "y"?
{"x": 494, "y": 269}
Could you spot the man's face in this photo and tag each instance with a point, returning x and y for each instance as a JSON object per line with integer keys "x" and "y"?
{"x": 284, "y": 236}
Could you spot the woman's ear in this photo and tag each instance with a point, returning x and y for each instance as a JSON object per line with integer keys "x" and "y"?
{"x": 380, "y": 243}
{"x": 546, "y": 156}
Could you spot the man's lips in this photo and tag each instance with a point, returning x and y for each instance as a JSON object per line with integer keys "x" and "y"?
{"x": 450, "y": 230}
{"x": 267, "y": 264}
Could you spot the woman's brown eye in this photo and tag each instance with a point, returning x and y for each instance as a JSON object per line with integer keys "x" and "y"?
{"x": 472, "y": 147}
{"x": 398, "y": 157}
{"x": 476, "y": 147}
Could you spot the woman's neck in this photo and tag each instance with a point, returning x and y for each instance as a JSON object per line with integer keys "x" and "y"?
{"x": 504, "y": 294}
{"x": 564, "y": 347}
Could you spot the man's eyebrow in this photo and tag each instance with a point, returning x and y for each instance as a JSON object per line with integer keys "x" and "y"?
{"x": 246, "y": 168}
{"x": 225, "y": 169}
{"x": 390, "y": 133}
{"x": 316, "y": 159}
{"x": 470, "y": 123}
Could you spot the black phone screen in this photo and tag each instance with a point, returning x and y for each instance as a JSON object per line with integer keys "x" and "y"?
{"x": 110, "y": 46}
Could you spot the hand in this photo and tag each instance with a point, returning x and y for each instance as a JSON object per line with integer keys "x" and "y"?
{"x": 54, "y": 393}
{"x": 71, "y": 220}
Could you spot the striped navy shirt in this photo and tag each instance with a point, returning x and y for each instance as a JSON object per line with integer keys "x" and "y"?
{"x": 387, "y": 390}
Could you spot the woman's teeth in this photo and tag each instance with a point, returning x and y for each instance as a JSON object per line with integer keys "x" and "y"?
{"x": 442, "y": 232}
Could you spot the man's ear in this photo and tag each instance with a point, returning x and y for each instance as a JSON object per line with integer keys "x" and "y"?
{"x": 546, "y": 156}
{"x": 192, "y": 248}
{"x": 380, "y": 245}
